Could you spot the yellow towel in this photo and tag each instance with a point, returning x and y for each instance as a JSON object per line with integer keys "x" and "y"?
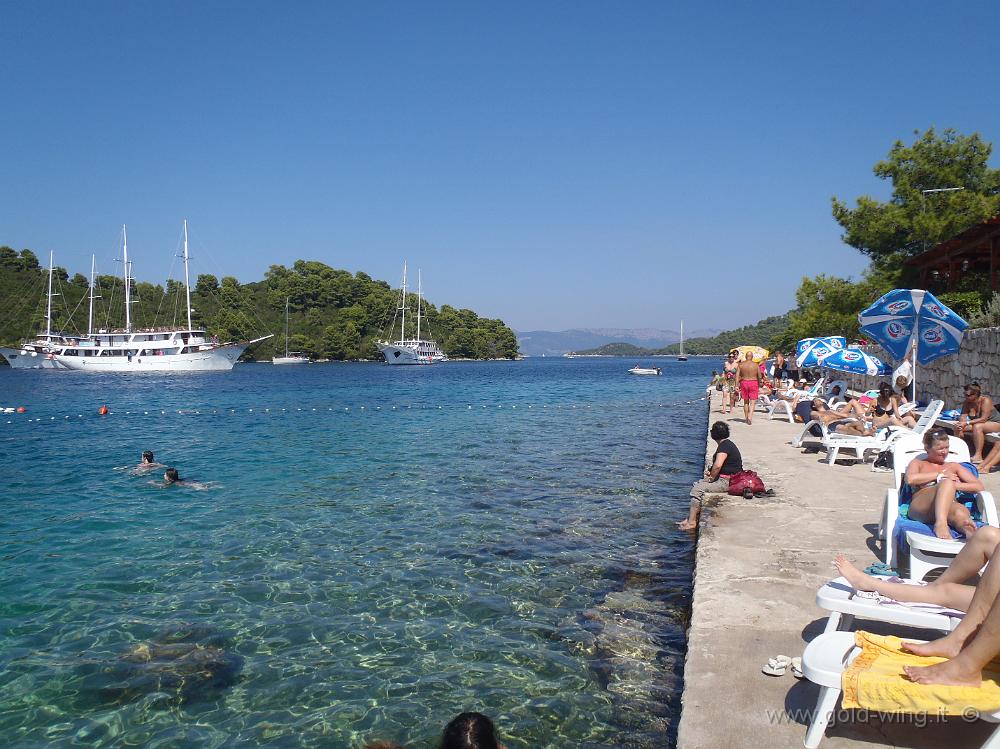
{"x": 875, "y": 681}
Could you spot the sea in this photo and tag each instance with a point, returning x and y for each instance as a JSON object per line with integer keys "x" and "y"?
{"x": 366, "y": 551}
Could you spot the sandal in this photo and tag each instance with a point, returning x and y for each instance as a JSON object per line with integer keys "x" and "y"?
{"x": 777, "y": 666}
{"x": 796, "y": 667}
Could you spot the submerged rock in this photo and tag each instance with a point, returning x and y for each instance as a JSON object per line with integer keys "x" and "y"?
{"x": 179, "y": 666}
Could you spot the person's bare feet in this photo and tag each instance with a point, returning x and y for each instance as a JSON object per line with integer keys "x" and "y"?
{"x": 945, "y": 647}
{"x": 942, "y": 531}
{"x": 967, "y": 528}
{"x": 950, "y": 673}
{"x": 858, "y": 579}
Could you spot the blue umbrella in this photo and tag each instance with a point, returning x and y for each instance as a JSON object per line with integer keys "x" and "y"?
{"x": 809, "y": 351}
{"x": 856, "y": 362}
{"x": 907, "y": 319}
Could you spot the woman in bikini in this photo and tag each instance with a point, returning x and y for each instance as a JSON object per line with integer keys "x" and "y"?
{"x": 935, "y": 483}
{"x": 885, "y": 409}
{"x": 976, "y": 419}
{"x": 729, "y": 388}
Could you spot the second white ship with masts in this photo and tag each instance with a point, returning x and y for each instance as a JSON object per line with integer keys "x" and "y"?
{"x": 164, "y": 349}
{"x": 410, "y": 350}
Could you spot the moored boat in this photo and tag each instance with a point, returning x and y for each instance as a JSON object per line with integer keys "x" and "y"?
{"x": 637, "y": 370}
{"x": 413, "y": 350}
{"x": 290, "y": 357}
{"x": 165, "y": 349}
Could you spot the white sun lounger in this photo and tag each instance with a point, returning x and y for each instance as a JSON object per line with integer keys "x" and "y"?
{"x": 838, "y": 597}
{"x": 927, "y": 553}
{"x": 824, "y": 662}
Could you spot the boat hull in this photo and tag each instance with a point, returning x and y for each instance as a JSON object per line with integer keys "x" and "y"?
{"x": 644, "y": 371}
{"x": 289, "y": 360}
{"x": 219, "y": 359}
{"x": 27, "y": 359}
{"x": 402, "y": 355}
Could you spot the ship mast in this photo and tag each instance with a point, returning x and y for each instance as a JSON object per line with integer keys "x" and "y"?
{"x": 90, "y": 317}
{"x": 402, "y": 305}
{"x": 48, "y": 311}
{"x": 187, "y": 281}
{"x": 128, "y": 282}
{"x": 419, "y": 289}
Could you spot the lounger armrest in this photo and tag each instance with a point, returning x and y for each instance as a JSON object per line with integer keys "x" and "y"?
{"x": 988, "y": 507}
{"x": 889, "y": 519}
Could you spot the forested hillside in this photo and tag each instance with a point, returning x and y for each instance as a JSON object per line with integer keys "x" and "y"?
{"x": 334, "y": 314}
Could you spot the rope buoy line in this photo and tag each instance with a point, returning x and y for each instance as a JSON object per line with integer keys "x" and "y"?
{"x": 104, "y": 411}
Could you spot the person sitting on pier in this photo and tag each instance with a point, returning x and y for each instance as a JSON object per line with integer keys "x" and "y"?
{"x": 935, "y": 483}
{"x": 726, "y": 462}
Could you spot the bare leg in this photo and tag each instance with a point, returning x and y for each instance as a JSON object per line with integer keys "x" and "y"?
{"x": 746, "y": 410}
{"x": 966, "y": 667}
{"x": 983, "y": 600}
{"x": 979, "y": 432}
{"x": 936, "y": 509}
{"x": 951, "y": 595}
{"x": 973, "y": 557}
{"x": 753, "y": 407}
{"x": 691, "y": 521}
{"x": 991, "y": 460}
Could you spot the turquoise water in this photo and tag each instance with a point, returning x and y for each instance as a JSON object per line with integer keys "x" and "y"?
{"x": 381, "y": 548}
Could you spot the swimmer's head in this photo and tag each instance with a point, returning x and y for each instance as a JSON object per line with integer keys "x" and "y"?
{"x": 170, "y": 475}
{"x": 147, "y": 456}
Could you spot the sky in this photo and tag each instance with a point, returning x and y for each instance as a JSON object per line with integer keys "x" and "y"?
{"x": 554, "y": 164}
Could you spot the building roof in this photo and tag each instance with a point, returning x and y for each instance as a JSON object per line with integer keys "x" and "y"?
{"x": 974, "y": 241}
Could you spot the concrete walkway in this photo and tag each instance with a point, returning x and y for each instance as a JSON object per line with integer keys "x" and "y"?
{"x": 759, "y": 564}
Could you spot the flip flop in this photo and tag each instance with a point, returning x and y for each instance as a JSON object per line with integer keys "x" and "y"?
{"x": 796, "y": 667}
{"x": 777, "y": 666}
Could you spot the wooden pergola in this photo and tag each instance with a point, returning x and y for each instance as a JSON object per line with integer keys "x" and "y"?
{"x": 975, "y": 250}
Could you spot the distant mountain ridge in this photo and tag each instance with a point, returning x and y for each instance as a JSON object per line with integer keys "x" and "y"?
{"x": 557, "y": 343}
{"x": 761, "y": 333}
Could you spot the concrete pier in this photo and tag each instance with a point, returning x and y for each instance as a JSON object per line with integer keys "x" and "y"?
{"x": 759, "y": 564}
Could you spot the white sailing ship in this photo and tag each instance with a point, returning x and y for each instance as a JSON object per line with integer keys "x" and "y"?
{"x": 680, "y": 356}
{"x": 410, "y": 350}
{"x": 165, "y": 349}
{"x": 290, "y": 357}
{"x": 40, "y": 352}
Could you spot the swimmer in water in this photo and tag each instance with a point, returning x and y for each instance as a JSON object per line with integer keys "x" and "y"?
{"x": 147, "y": 464}
{"x": 172, "y": 478}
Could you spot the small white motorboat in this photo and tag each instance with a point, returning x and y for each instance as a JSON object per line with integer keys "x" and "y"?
{"x": 637, "y": 370}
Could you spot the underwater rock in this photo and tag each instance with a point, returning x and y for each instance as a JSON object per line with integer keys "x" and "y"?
{"x": 184, "y": 665}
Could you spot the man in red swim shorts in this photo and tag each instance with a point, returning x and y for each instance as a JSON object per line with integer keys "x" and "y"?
{"x": 748, "y": 373}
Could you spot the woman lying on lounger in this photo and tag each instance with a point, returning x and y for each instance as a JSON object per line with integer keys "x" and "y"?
{"x": 953, "y": 589}
{"x": 935, "y": 484}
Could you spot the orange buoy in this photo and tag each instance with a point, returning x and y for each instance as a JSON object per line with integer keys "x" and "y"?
{"x": 102, "y": 411}
{"x": 21, "y": 409}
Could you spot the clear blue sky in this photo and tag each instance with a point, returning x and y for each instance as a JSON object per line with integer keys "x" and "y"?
{"x": 554, "y": 164}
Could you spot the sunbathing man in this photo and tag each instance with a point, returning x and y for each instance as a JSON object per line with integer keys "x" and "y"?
{"x": 935, "y": 483}
{"x": 838, "y": 421}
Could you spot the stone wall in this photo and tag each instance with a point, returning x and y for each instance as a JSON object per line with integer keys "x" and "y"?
{"x": 978, "y": 361}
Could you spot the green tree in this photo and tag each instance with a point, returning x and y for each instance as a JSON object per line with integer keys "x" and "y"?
{"x": 206, "y": 284}
{"x": 919, "y": 214}
{"x": 29, "y": 260}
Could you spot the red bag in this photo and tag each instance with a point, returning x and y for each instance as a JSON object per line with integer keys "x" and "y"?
{"x": 743, "y": 480}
